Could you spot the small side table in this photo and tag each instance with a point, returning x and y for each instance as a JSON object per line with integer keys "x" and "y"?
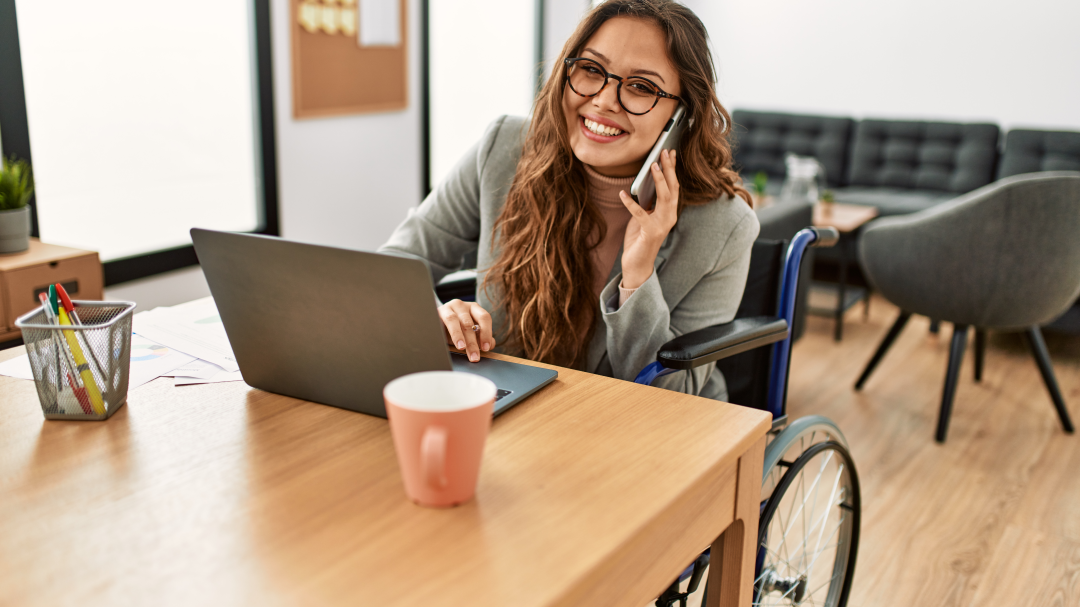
{"x": 847, "y": 219}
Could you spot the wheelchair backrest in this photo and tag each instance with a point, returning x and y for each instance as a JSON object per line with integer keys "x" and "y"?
{"x": 747, "y": 374}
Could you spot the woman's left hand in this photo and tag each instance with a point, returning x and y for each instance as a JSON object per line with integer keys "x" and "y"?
{"x": 648, "y": 229}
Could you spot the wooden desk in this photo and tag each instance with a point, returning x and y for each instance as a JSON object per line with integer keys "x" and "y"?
{"x": 593, "y": 492}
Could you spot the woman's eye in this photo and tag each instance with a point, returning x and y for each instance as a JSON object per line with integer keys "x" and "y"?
{"x": 642, "y": 88}
{"x": 592, "y": 69}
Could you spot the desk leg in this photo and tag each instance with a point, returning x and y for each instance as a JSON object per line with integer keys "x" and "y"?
{"x": 734, "y": 553}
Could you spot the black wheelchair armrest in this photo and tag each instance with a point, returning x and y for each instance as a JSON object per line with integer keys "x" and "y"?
{"x": 721, "y": 341}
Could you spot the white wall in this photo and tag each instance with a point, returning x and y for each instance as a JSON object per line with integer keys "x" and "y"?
{"x": 561, "y": 18}
{"x": 345, "y": 181}
{"x": 1016, "y": 64}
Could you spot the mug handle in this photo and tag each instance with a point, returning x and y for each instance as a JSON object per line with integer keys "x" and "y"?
{"x": 433, "y": 456}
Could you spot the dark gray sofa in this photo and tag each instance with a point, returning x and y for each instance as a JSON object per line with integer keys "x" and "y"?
{"x": 763, "y": 139}
{"x": 898, "y": 166}
{"x": 903, "y": 167}
{"x": 1028, "y": 151}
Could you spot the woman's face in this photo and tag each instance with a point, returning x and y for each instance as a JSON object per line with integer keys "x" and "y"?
{"x": 625, "y": 46}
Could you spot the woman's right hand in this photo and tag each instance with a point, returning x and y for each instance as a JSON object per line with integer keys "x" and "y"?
{"x": 459, "y": 318}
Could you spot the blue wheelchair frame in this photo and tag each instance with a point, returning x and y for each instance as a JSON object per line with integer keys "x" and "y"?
{"x": 778, "y": 368}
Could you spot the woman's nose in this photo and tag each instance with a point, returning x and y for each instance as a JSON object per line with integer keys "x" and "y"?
{"x": 608, "y": 97}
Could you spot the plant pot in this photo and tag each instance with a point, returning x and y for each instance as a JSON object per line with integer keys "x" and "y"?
{"x": 15, "y": 230}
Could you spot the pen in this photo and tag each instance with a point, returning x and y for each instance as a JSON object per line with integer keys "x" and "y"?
{"x": 66, "y": 302}
{"x": 80, "y": 393}
{"x": 83, "y": 367}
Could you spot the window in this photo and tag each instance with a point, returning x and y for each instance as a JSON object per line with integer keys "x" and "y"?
{"x": 143, "y": 121}
{"x": 480, "y": 67}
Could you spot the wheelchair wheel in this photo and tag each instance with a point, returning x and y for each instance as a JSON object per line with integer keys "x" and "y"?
{"x": 809, "y": 527}
{"x": 793, "y": 440}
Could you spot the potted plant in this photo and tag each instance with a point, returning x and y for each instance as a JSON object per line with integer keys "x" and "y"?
{"x": 16, "y": 186}
{"x": 827, "y": 200}
{"x": 761, "y": 180}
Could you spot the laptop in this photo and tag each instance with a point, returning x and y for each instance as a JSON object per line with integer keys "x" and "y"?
{"x": 334, "y": 325}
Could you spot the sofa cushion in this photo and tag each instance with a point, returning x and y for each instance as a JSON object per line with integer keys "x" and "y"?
{"x": 762, "y": 139}
{"x": 892, "y": 201}
{"x": 1033, "y": 151}
{"x": 941, "y": 156}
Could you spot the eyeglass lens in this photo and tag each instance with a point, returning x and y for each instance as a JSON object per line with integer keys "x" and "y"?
{"x": 636, "y": 95}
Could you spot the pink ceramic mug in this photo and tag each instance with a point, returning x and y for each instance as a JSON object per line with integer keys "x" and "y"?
{"x": 439, "y": 421}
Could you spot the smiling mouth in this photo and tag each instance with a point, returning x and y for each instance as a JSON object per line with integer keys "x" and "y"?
{"x": 601, "y": 129}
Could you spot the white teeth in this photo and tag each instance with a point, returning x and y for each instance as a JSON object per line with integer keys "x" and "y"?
{"x": 601, "y": 129}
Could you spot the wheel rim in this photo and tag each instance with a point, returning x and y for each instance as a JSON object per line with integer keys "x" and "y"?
{"x": 812, "y": 523}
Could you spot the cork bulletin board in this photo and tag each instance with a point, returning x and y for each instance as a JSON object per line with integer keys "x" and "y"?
{"x": 342, "y": 64}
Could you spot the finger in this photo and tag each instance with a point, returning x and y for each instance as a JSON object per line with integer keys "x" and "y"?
{"x": 452, "y": 326}
{"x": 668, "y": 164}
{"x": 663, "y": 192}
{"x": 668, "y": 204}
{"x": 483, "y": 320}
{"x": 471, "y": 347}
{"x": 634, "y": 208}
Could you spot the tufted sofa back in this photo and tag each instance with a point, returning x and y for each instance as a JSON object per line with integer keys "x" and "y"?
{"x": 942, "y": 156}
{"x": 1034, "y": 151}
{"x": 764, "y": 138}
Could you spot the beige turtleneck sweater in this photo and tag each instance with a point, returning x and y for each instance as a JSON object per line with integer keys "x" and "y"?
{"x": 604, "y": 194}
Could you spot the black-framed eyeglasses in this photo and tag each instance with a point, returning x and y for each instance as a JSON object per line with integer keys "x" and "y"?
{"x": 587, "y": 78}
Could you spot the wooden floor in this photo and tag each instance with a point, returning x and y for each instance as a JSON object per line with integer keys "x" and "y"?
{"x": 992, "y": 517}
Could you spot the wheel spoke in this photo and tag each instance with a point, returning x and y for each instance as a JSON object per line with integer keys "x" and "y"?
{"x": 832, "y": 496}
{"x": 835, "y": 529}
{"x": 786, "y": 523}
{"x": 827, "y": 583}
{"x": 814, "y": 502}
{"x": 801, "y": 509}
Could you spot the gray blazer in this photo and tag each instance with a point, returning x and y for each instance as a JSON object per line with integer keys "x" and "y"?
{"x": 700, "y": 270}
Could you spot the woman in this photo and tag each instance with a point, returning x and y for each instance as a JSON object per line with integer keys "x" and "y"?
{"x": 572, "y": 271}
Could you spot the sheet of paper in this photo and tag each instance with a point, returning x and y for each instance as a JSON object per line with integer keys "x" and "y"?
{"x": 380, "y": 23}
{"x": 149, "y": 361}
{"x": 193, "y": 328}
{"x": 17, "y": 367}
{"x": 200, "y": 369}
{"x": 219, "y": 377}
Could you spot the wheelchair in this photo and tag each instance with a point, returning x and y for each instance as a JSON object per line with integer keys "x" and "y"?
{"x": 808, "y": 530}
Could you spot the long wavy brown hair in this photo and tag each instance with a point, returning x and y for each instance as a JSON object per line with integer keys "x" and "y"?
{"x": 547, "y": 229}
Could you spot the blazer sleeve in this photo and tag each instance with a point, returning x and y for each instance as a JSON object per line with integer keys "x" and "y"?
{"x": 637, "y": 329}
{"x": 447, "y": 224}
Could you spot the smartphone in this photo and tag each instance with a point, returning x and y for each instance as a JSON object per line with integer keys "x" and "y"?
{"x": 643, "y": 189}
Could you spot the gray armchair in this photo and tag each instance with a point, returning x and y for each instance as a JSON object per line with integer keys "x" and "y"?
{"x": 1003, "y": 257}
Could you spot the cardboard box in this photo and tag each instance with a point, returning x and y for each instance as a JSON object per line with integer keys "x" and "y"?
{"x": 24, "y": 275}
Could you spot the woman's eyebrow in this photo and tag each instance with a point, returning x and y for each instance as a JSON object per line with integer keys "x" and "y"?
{"x": 606, "y": 60}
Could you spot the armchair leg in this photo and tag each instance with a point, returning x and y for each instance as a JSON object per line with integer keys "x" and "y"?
{"x": 956, "y": 357}
{"x": 1042, "y": 357}
{"x": 980, "y": 352}
{"x": 890, "y": 337}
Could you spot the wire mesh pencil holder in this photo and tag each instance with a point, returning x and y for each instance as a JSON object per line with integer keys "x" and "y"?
{"x": 80, "y": 370}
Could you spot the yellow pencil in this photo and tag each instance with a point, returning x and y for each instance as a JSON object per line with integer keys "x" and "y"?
{"x": 83, "y": 367}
